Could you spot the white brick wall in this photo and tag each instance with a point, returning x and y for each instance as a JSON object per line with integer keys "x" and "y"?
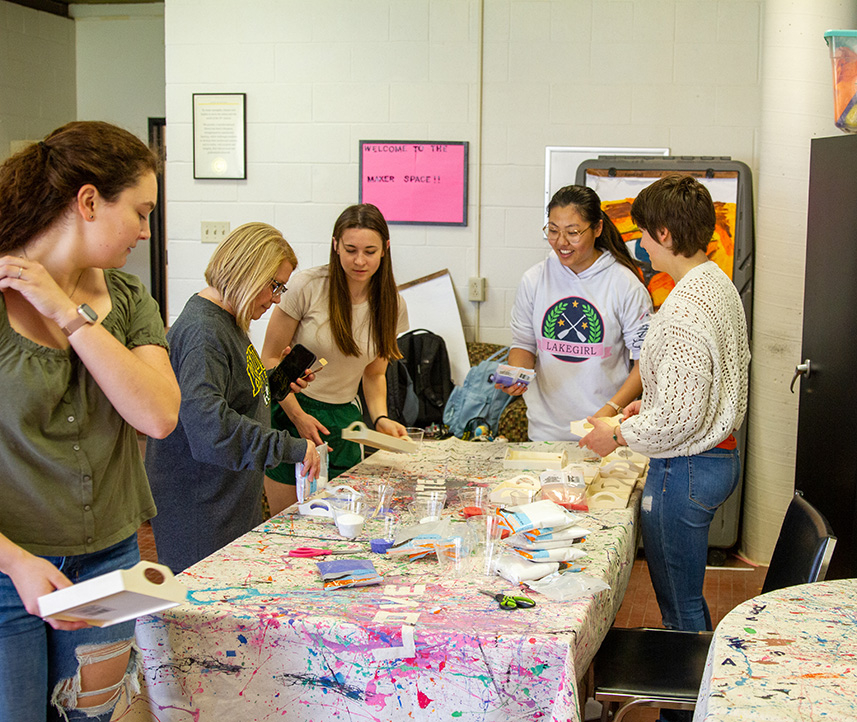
{"x": 321, "y": 76}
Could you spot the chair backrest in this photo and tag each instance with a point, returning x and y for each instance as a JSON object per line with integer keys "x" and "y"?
{"x": 803, "y": 549}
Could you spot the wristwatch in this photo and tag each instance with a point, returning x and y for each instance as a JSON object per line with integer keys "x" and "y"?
{"x": 85, "y": 315}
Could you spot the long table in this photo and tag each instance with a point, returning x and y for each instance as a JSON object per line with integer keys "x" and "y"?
{"x": 259, "y": 639}
{"x": 790, "y": 654}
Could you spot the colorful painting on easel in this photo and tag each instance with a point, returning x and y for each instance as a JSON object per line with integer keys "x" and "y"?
{"x": 617, "y": 193}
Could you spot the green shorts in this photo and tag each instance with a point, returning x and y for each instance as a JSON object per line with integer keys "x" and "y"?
{"x": 335, "y": 417}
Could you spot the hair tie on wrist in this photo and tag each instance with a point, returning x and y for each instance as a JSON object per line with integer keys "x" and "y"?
{"x": 375, "y": 422}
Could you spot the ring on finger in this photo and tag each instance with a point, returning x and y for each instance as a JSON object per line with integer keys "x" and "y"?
{"x": 20, "y": 271}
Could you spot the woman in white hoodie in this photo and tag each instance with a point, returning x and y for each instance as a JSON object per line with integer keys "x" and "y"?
{"x": 579, "y": 319}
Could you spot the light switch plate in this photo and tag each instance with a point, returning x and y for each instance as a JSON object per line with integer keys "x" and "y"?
{"x": 214, "y": 231}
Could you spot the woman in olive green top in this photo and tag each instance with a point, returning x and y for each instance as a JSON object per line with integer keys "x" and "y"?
{"x": 83, "y": 365}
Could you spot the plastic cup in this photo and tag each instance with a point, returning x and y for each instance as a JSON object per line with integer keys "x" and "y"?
{"x": 416, "y": 435}
{"x": 568, "y": 496}
{"x": 428, "y": 509}
{"x": 349, "y": 523}
{"x": 391, "y": 526}
{"x": 486, "y": 528}
{"x": 380, "y": 500}
{"x": 454, "y": 556}
{"x": 517, "y": 497}
{"x": 474, "y": 501}
{"x": 346, "y": 499}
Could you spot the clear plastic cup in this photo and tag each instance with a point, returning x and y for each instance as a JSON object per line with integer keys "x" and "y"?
{"x": 380, "y": 500}
{"x": 426, "y": 509}
{"x": 454, "y": 556}
{"x": 416, "y": 435}
{"x": 474, "y": 501}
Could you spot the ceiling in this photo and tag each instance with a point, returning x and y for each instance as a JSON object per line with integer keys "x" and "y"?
{"x": 60, "y": 7}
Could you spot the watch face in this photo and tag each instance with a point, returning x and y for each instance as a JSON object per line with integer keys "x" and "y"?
{"x": 87, "y": 313}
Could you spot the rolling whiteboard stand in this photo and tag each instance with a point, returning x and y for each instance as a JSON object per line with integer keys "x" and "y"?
{"x": 618, "y": 180}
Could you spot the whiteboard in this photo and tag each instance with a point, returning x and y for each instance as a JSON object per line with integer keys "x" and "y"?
{"x": 561, "y": 162}
{"x": 431, "y": 305}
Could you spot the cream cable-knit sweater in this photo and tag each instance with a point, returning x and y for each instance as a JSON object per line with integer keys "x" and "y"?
{"x": 694, "y": 366}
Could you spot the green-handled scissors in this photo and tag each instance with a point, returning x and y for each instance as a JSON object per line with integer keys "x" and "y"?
{"x": 508, "y": 603}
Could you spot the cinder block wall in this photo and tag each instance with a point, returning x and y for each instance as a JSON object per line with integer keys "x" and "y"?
{"x": 515, "y": 75}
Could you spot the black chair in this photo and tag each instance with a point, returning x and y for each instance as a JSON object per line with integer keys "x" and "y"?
{"x": 663, "y": 668}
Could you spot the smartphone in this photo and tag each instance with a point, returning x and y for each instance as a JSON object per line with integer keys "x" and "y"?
{"x": 289, "y": 370}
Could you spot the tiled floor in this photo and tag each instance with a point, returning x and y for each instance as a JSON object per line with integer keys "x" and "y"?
{"x": 725, "y": 588}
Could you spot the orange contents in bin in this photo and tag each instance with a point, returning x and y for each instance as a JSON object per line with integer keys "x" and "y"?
{"x": 844, "y": 87}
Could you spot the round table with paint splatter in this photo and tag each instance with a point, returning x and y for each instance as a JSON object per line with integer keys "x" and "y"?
{"x": 790, "y": 654}
{"x": 260, "y": 639}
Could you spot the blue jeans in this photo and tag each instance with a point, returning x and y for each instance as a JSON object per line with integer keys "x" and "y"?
{"x": 36, "y": 661}
{"x": 679, "y": 501}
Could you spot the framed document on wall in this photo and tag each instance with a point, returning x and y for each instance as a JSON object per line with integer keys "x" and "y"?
{"x": 220, "y": 135}
{"x": 417, "y": 182}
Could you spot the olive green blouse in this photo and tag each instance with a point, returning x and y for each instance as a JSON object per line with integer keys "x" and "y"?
{"x": 71, "y": 476}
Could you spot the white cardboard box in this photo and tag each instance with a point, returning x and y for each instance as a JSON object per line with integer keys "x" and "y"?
{"x": 115, "y": 597}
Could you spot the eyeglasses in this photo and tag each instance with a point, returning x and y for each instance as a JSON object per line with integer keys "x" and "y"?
{"x": 277, "y": 288}
{"x": 573, "y": 237}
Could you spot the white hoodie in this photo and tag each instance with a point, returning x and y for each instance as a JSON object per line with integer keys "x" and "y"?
{"x": 584, "y": 329}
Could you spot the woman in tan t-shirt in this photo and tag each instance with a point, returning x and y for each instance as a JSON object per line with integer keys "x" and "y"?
{"x": 350, "y": 313}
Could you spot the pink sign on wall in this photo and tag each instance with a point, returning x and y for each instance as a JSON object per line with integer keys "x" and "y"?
{"x": 418, "y": 182}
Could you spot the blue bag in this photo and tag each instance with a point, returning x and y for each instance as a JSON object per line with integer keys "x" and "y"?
{"x": 477, "y": 398}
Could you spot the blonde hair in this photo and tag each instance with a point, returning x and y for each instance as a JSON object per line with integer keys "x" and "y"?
{"x": 244, "y": 264}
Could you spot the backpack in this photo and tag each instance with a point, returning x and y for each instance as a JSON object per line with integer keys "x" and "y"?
{"x": 427, "y": 362}
{"x": 402, "y": 402}
{"x": 476, "y": 398}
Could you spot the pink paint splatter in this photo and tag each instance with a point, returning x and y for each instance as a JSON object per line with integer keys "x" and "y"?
{"x": 423, "y": 700}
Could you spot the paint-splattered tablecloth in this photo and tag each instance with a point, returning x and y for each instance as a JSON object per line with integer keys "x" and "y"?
{"x": 790, "y": 654}
{"x": 259, "y": 639}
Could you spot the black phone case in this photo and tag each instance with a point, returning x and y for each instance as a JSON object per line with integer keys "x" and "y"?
{"x": 290, "y": 369}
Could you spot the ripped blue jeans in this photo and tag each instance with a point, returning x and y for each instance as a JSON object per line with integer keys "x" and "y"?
{"x": 679, "y": 501}
{"x": 39, "y": 679}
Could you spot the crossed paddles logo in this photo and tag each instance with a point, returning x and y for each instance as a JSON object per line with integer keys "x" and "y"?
{"x": 573, "y": 331}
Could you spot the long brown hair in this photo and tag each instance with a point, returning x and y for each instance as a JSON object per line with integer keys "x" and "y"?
{"x": 588, "y": 204}
{"x": 383, "y": 296}
{"x": 38, "y": 183}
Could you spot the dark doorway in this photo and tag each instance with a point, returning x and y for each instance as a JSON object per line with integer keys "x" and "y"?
{"x": 157, "y": 221}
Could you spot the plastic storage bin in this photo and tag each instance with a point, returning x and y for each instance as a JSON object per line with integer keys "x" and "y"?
{"x": 843, "y": 55}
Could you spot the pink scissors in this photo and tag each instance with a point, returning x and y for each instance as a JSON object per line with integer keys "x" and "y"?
{"x": 313, "y": 552}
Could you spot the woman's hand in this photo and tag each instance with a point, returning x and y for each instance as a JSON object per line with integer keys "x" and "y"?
{"x": 34, "y": 283}
{"x": 34, "y": 577}
{"x": 600, "y": 439}
{"x": 391, "y": 428}
{"x": 631, "y": 409}
{"x": 309, "y": 427}
{"x": 513, "y": 390}
{"x": 312, "y": 461}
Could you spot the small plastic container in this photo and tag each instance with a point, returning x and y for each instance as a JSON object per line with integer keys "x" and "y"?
{"x": 843, "y": 56}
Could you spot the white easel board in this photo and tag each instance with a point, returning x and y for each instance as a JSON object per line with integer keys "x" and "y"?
{"x": 432, "y": 306}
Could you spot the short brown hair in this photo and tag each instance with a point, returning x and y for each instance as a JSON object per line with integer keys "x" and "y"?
{"x": 681, "y": 205}
{"x": 38, "y": 183}
{"x": 244, "y": 263}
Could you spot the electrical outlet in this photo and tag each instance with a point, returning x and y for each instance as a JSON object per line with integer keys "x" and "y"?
{"x": 214, "y": 231}
{"x": 476, "y": 289}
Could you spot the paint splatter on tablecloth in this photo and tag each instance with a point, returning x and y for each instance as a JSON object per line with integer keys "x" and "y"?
{"x": 259, "y": 639}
